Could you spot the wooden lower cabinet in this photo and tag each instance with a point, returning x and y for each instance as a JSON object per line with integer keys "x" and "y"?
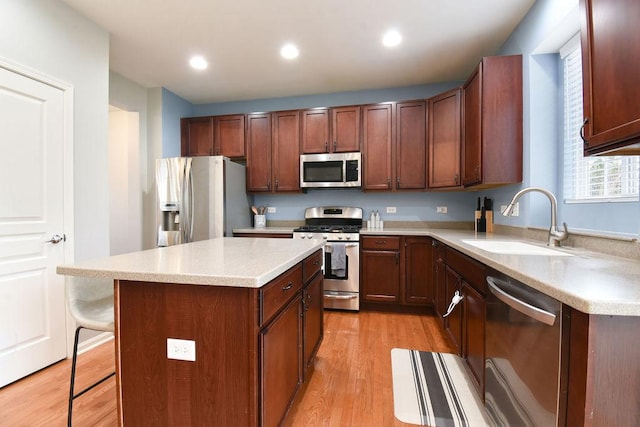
{"x": 279, "y": 363}
{"x": 465, "y": 325}
{"x": 396, "y": 272}
{"x": 250, "y": 359}
{"x": 474, "y": 334}
{"x": 313, "y": 307}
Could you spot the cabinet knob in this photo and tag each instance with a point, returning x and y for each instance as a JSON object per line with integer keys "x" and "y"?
{"x": 288, "y": 286}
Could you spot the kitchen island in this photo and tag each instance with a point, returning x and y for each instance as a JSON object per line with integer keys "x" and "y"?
{"x": 251, "y": 307}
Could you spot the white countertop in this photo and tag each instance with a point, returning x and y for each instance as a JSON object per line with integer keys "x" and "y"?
{"x": 237, "y": 262}
{"x": 591, "y": 282}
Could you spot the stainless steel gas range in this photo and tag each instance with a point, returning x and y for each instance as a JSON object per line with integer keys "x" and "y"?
{"x": 340, "y": 227}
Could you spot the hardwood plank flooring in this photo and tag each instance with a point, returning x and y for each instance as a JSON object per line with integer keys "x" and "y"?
{"x": 351, "y": 385}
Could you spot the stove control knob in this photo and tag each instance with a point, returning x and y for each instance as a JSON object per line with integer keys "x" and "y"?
{"x": 309, "y": 236}
{"x": 339, "y": 237}
{"x": 348, "y": 237}
{"x": 302, "y": 236}
{"x": 324, "y": 236}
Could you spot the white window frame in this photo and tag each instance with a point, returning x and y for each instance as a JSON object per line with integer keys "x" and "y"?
{"x": 589, "y": 179}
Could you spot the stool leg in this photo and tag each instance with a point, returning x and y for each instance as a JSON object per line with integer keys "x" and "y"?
{"x": 73, "y": 375}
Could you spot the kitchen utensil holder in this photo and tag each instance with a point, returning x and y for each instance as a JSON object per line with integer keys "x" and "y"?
{"x": 259, "y": 221}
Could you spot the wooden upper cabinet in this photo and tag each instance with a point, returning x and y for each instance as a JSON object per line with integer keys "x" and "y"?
{"x": 286, "y": 151}
{"x": 377, "y": 138}
{"x": 196, "y": 134}
{"x": 335, "y": 130}
{"x": 610, "y": 70}
{"x": 345, "y": 129}
{"x": 229, "y": 136}
{"x": 492, "y": 117}
{"x": 444, "y": 139}
{"x": 259, "y": 152}
{"x": 213, "y": 136}
{"x": 411, "y": 145}
{"x": 315, "y": 131}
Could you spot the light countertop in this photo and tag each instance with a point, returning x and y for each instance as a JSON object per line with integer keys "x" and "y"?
{"x": 591, "y": 282}
{"x": 237, "y": 262}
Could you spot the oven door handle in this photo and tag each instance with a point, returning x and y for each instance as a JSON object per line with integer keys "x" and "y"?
{"x": 348, "y": 245}
{"x": 331, "y": 296}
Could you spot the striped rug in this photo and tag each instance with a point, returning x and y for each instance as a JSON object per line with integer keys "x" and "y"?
{"x": 432, "y": 389}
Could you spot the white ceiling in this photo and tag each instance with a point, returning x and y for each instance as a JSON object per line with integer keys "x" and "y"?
{"x": 340, "y": 46}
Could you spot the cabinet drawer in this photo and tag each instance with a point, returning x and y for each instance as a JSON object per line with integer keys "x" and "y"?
{"x": 277, "y": 293}
{"x": 311, "y": 265}
{"x": 381, "y": 243}
{"x": 473, "y": 272}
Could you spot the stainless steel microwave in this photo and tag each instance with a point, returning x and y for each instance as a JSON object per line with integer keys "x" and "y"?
{"x": 330, "y": 170}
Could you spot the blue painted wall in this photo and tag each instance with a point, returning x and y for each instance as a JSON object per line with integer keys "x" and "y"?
{"x": 173, "y": 108}
{"x": 542, "y": 145}
{"x": 543, "y": 166}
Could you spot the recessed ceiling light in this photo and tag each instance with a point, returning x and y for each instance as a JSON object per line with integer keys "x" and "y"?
{"x": 289, "y": 51}
{"x": 391, "y": 38}
{"x": 198, "y": 63}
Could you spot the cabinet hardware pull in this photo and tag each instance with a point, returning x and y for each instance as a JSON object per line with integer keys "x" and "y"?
{"x": 326, "y": 147}
{"x": 398, "y": 182}
{"x": 335, "y": 145}
{"x": 381, "y": 242}
{"x": 389, "y": 183}
{"x": 316, "y": 262}
{"x": 454, "y": 301}
{"x": 584, "y": 141}
{"x": 277, "y": 184}
{"x": 287, "y": 287}
{"x": 456, "y": 178}
{"x": 397, "y": 258}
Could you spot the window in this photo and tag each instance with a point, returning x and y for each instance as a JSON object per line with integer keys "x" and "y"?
{"x": 611, "y": 178}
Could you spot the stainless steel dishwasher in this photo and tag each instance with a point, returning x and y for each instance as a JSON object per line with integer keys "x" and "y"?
{"x": 525, "y": 365}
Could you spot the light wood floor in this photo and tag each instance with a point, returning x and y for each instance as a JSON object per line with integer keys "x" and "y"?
{"x": 350, "y": 387}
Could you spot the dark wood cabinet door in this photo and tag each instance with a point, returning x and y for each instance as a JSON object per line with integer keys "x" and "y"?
{"x": 411, "y": 145}
{"x": 474, "y": 334}
{"x": 610, "y": 70}
{"x": 345, "y": 129}
{"x": 492, "y": 117}
{"x": 453, "y": 322}
{"x": 229, "y": 136}
{"x": 377, "y": 146}
{"x": 259, "y": 152}
{"x": 418, "y": 278}
{"x": 196, "y": 136}
{"x": 472, "y": 131}
{"x": 280, "y": 363}
{"x": 313, "y": 318}
{"x": 315, "y": 131}
{"x": 444, "y": 139}
{"x": 380, "y": 280}
{"x": 286, "y": 151}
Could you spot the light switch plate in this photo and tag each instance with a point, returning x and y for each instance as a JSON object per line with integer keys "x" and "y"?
{"x": 441, "y": 209}
{"x": 181, "y": 349}
{"x": 271, "y": 209}
{"x": 391, "y": 209}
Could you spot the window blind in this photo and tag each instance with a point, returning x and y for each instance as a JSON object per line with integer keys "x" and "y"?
{"x": 590, "y": 178}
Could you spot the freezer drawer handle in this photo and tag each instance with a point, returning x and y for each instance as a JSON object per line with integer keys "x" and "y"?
{"x": 340, "y": 296}
{"x": 527, "y": 309}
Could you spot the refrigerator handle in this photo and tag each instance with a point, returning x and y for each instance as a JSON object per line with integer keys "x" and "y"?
{"x": 187, "y": 202}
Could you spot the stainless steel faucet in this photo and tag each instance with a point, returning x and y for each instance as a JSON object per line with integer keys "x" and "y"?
{"x": 555, "y": 235}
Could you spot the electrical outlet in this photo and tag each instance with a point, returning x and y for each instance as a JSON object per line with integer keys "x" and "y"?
{"x": 181, "y": 349}
{"x": 271, "y": 209}
{"x": 514, "y": 212}
{"x": 441, "y": 209}
{"x": 391, "y": 209}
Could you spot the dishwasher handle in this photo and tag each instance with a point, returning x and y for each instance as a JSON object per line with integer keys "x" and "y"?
{"x": 523, "y": 307}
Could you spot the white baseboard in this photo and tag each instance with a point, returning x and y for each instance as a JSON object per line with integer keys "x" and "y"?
{"x": 93, "y": 342}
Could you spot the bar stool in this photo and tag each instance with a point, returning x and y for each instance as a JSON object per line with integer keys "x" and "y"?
{"x": 90, "y": 302}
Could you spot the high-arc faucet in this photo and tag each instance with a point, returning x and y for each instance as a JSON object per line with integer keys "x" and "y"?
{"x": 555, "y": 235}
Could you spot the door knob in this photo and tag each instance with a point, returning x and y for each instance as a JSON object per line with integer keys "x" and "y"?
{"x": 57, "y": 239}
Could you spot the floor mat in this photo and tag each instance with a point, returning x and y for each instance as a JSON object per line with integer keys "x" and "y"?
{"x": 433, "y": 389}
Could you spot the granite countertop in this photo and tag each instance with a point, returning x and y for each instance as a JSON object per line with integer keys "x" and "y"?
{"x": 265, "y": 230}
{"x": 591, "y": 282}
{"x": 236, "y": 262}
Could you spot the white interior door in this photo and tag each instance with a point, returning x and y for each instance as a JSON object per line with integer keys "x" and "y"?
{"x": 32, "y": 305}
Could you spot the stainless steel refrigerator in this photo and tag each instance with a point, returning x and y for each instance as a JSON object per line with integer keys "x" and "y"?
{"x": 200, "y": 198}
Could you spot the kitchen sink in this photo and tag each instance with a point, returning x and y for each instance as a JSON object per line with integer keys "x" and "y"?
{"x": 509, "y": 247}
